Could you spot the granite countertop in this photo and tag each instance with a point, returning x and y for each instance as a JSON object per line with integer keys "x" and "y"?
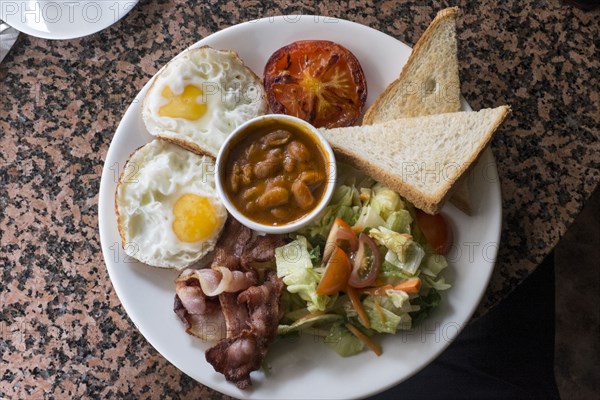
{"x": 63, "y": 331}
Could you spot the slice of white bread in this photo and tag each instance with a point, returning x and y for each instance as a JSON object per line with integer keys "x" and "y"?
{"x": 421, "y": 158}
{"x": 428, "y": 84}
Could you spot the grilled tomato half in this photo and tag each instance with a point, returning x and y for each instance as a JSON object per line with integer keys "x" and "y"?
{"x": 318, "y": 81}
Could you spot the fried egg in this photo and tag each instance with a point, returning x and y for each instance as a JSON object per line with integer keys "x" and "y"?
{"x": 168, "y": 210}
{"x": 200, "y": 97}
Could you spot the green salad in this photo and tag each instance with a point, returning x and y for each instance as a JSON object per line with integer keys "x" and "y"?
{"x": 364, "y": 267}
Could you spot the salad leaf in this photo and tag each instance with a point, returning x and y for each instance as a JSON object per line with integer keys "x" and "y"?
{"x": 343, "y": 341}
{"x": 342, "y": 204}
{"x": 389, "y": 270}
{"x": 403, "y": 252}
{"x": 296, "y": 270}
{"x": 413, "y": 256}
{"x": 385, "y": 200}
{"x": 304, "y": 283}
{"x": 344, "y": 196}
{"x": 315, "y": 254}
{"x": 426, "y": 303}
{"x": 433, "y": 265}
{"x": 292, "y": 257}
{"x": 348, "y": 214}
{"x": 399, "y": 221}
{"x": 293, "y": 306}
{"x": 369, "y": 218}
{"x": 438, "y": 285}
{"x": 365, "y": 195}
{"x": 382, "y": 318}
{"x": 308, "y": 321}
{"x": 394, "y": 241}
{"x": 398, "y": 297}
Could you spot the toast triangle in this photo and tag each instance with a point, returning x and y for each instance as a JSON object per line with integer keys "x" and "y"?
{"x": 433, "y": 59}
{"x": 429, "y": 82}
{"x": 422, "y": 157}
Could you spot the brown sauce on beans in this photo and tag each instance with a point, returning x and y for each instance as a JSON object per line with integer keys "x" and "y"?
{"x": 276, "y": 173}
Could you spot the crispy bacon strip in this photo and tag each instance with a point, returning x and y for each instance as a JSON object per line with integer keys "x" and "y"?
{"x": 236, "y": 357}
{"x": 244, "y": 316}
{"x": 201, "y": 315}
{"x": 231, "y": 245}
{"x": 235, "y": 314}
{"x": 263, "y": 307}
{"x": 216, "y": 280}
{"x": 260, "y": 252}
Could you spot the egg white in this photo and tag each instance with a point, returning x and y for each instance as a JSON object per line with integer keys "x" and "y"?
{"x": 155, "y": 177}
{"x": 233, "y": 94}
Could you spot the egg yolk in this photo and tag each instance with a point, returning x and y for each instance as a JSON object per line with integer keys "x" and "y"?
{"x": 184, "y": 105}
{"x": 195, "y": 218}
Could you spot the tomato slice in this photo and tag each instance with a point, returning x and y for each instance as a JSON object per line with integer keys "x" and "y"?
{"x": 437, "y": 231}
{"x": 337, "y": 272}
{"x": 318, "y": 81}
{"x": 340, "y": 235}
{"x": 367, "y": 261}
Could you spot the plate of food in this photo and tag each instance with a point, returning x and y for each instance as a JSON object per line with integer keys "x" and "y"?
{"x": 274, "y": 208}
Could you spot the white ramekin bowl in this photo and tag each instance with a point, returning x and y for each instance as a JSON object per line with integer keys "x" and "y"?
{"x": 237, "y": 135}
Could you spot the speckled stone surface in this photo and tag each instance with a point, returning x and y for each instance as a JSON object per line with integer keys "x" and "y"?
{"x": 63, "y": 331}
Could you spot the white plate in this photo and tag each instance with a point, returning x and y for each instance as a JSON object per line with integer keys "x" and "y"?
{"x": 305, "y": 369}
{"x": 63, "y": 19}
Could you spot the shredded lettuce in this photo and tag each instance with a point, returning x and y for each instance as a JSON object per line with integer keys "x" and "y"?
{"x": 439, "y": 285}
{"x": 397, "y": 297}
{"x": 403, "y": 252}
{"x": 315, "y": 254}
{"x": 296, "y": 270}
{"x": 385, "y": 200}
{"x": 306, "y": 322}
{"x": 385, "y": 217}
{"x": 399, "y": 221}
{"x": 394, "y": 241}
{"x": 433, "y": 264}
{"x": 389, "y": 270}
{"x": 413, "y": 257}
{"x": 292, "y": 257}
{"x": 343, "y": 341}
{"x": 382, "y": 316}
{"x": 369, "y": 218}
{"x": 344, "y": 203}
{"x": 426, "y": 303}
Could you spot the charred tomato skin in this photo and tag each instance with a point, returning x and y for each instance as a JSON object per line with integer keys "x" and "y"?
{"x": 303, "y": 66}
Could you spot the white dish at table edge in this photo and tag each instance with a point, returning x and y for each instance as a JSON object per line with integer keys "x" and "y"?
{"x": 306, "y": 369}
{"x": 61, "y": 20}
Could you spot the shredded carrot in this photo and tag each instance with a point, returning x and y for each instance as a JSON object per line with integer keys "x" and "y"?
{"x": 357, "y": 229}
{"x": 365, "y": 339}
{"x": 412, "y": 285}
{"x": 380, "y": 311}
{"x": 357, "y": 304}
{"x": 377, "y": 291}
